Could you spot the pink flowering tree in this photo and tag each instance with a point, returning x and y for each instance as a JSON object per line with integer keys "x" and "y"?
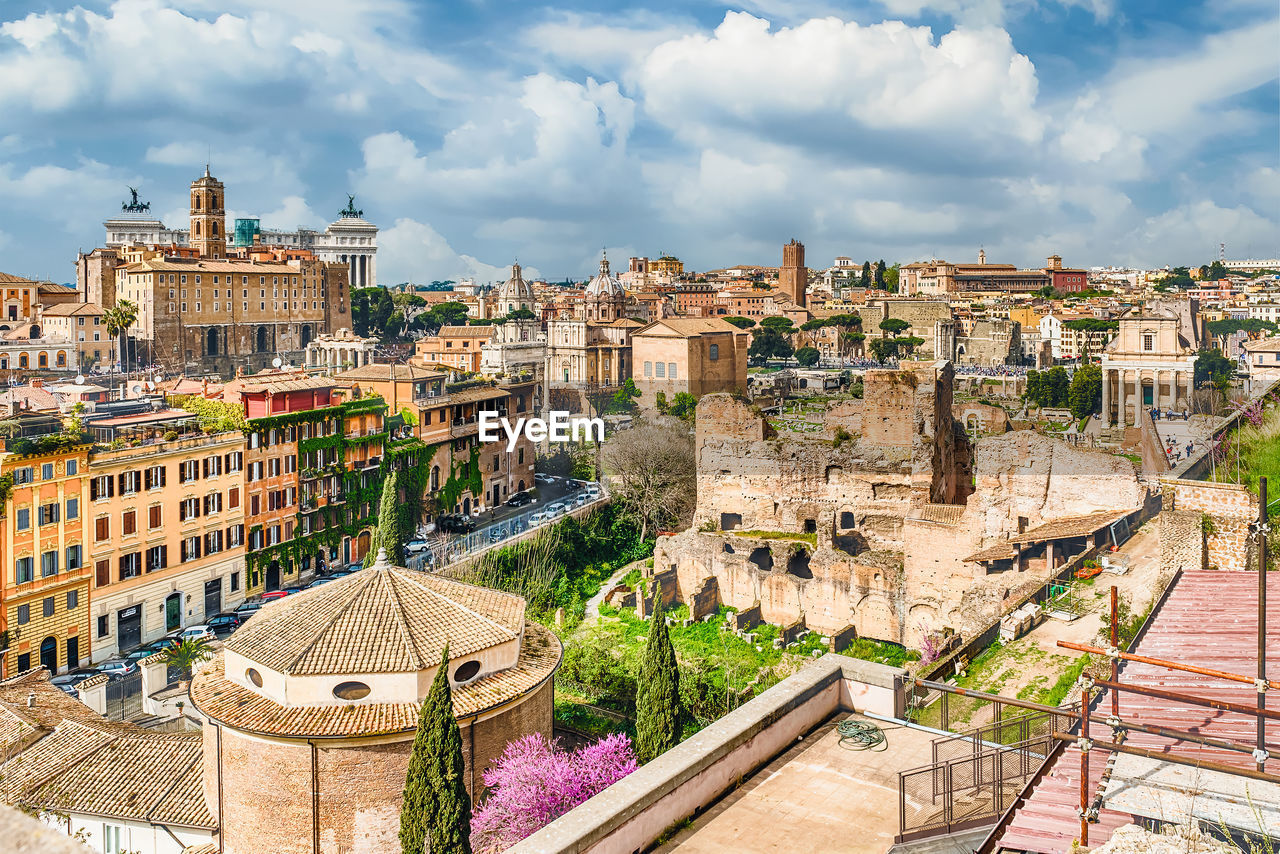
{"x": 535, "y": 782}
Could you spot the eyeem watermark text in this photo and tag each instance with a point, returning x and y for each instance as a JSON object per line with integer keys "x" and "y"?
{"x": 560, "y": 427}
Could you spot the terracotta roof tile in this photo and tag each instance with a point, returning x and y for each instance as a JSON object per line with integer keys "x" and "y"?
{"x": 378, "y": 620}
{"x": 1070, "y": 526}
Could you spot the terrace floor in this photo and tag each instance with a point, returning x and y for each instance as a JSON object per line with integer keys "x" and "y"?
{"x": 816, "y": 797}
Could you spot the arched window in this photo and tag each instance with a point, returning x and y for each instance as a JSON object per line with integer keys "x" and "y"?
{"x": 215, "y": 228}
{"x": 435, "y": 478}
{"x": 211, "y": 341}
{"x": 197, "y": 227}
{"x": 195, "y": 202}
{"x": 23, "y": 361}
{"x": 62, "y": 359}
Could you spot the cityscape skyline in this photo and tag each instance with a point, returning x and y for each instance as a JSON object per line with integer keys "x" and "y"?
{"x": 1105, "y": 132}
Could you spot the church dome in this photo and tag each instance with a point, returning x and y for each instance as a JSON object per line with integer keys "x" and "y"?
{"x": 604, "y": 284}
{"x": 516, "y": 289}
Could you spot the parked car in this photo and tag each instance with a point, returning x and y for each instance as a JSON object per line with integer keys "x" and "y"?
{"x": 520, "y": 499}
{"x": 201, "y": 632}
{"x": 245, "y": 610}
{"x": 68, "y": 681}
{"x": 580, "y": 499}
{"x": 334, "y": 576}
{"x": 223, "y": 624}
{"x": 416, "y": 546}
{"x": 142, "y": 652}
{"x": 457, "y": 523}
{"x": 556, "y": 510}
{"x": 272, "y": 595}
{"x": 539, "y": 517}
{"x": 294, "y": 588}
{"x": 543, "y": 478}
{"x": 117, "y": 669}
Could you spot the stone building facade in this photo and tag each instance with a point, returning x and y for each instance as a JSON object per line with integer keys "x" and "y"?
{"x": 686, "y": 354}
{"x": 1151, "y": 362}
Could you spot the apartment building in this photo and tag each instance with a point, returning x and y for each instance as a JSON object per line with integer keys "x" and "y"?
{"x": 44, "y": 597}
{"x": 166, "y": 534}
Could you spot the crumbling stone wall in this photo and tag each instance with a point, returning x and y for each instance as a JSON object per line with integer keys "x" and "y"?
{"x": 888, "y": 509}
{"x": 1226, "y": 511}
{"x": 1181, "y": 540}
{"x": 982, "y": 418}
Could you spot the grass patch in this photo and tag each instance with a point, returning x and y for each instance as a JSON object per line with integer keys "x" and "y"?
{"x": 881, "y": 652}
{"x": 811, "y": 539}
{"x": 1065, "y": 683}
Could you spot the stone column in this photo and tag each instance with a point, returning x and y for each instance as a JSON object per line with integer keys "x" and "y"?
{"x": 1138, "y": 405}
{"x": 1106, "y": 398}
{"x": 1121, "y": 398}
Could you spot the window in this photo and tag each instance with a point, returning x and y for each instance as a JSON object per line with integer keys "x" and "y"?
{"x": 73, "y": 557}
{"x": 49, "y": 513}
{"x": 235, "y": 462}
{"x": 157, "y": 558}
{"x": 213, "y": 542}
{"x": 233, "y": 497}
{"x": 671, "y": 370}
{"x": 188, "y": 471}
{"x": 48, "y": 606}
{"x": 104, "y": 625}
{"x": 102, "y": 573}
{"x": 24, "y": 518}
{"x": 213, "y": 503}
{"x": 102, "y": 528}
{"x": 102, "y": 486}
{"x": 714, "y": 352}
{"x": 73, "y": 599}
{"x": 48, "y": 564}
{"x": 660, "y": 370}
{"x": 26, "y": 474}
{"x": 648, "y": 369}
{"x": 255, "y": 505}
{"x": 155, "y": 477}
{"x": 189, "y": 509}
{"x": 129, "y": 522}
{"x": 73, "y": 508}
{"x": 130, "y": 565}
{"x": 113, "y": 835}
{"x": 190, "y": 549}
{"x": 235, "y": 581}
{"x": 46, "y": 471}
{"x": 155, "y": 516}
{"x": 212, "y": 466}
{"x": 23, "y": 568}
{"x": 24, "y": 614}
{"x": 1148, "y": 341}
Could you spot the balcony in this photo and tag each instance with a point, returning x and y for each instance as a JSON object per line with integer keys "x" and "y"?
{"x": 464, "y": 427}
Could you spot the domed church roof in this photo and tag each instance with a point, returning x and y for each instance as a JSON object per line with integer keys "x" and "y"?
{"x": 515, "y": 288}
{"x": 383, "y": 619}
{"x": 604, "y": 284}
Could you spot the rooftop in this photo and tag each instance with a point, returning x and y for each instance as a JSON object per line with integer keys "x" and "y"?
{"x": 381, "y": 620}
{"x": 384, "y": 373}
{"x": 817, "y": 796}
{"x": 238, "y": 707}
{"x": 1206, "y": 620}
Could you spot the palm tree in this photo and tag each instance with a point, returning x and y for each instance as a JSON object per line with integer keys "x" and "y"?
{"x": 186, "y": 655}
{"x": 118, "y": 319}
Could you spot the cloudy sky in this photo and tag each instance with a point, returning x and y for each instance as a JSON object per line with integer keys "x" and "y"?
{"x": 474, "y": 132}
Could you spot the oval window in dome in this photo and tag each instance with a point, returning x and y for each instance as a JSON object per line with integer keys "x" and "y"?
{"x": 466, "y": 671}
{"x": 351, "y": 690}
{"x": 253, "y": 676}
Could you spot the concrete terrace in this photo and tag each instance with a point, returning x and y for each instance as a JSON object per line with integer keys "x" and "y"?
{"x": 833, "y": 798}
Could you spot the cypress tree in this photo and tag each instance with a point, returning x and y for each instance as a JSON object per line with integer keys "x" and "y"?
{"x": 437, "y": 809}
{"x": 387, "y": 534}
{"x": 658, "y": 712}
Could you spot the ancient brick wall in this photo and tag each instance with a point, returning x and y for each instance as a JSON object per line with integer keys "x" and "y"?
{"x": 705, "y": 600}
{"x": 1229, "y": 509}
{"x": 1181, "y": 540}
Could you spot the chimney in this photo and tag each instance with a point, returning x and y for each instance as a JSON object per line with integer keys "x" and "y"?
{"x": 31, "y": 700}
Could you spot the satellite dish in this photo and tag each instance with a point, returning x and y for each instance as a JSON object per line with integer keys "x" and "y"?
{"x": 159, "y": 378}
{"x": 277, "y": 361}
{"x": 135, "y": 388}
{"x": 80, "y": 379}
{"x": 150, "y": 385}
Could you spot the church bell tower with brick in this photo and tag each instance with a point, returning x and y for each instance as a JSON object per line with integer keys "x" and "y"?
{"x": 208, "y": 217}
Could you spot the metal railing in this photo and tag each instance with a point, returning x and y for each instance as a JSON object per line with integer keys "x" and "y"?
{"x": 977, "y": 773}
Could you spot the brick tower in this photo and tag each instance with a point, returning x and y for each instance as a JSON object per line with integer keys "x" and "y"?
{"x": 793, "y": 276}
{"x": 208, "y": 217}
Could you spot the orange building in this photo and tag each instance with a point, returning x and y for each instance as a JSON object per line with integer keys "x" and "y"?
{"x": 44, "y": 598}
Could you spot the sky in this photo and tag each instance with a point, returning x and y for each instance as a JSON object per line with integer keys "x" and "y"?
{"x": 476, "y": 133}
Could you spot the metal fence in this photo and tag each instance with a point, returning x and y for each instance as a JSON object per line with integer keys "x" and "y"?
{"x": 124, "y": 697}
{"x": 967, "y": 792}
{"x": 1002, "y": 732}
{"x": 456, "y": 548}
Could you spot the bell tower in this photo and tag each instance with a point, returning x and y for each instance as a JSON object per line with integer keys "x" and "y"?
{"x": 208, "y": 217}
{"x": 793, "y": 276}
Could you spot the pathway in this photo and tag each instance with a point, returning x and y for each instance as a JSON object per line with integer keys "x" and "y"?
{"x": 593, "y": 604}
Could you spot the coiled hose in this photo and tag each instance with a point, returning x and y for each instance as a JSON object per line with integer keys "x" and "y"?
{"x": 861, "y": 735}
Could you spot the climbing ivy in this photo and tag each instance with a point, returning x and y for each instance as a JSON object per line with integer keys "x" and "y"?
{"x": 464, "y": 477}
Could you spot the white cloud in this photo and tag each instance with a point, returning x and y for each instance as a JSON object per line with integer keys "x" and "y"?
{"x": 990, "y": 12}
{"x": 414, "y": 251}
{"x": 828, "y": 77}
{"x": 189, "y": 55}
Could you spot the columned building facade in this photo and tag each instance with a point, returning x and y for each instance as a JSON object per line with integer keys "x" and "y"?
{"x": 1150, "y": 364}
